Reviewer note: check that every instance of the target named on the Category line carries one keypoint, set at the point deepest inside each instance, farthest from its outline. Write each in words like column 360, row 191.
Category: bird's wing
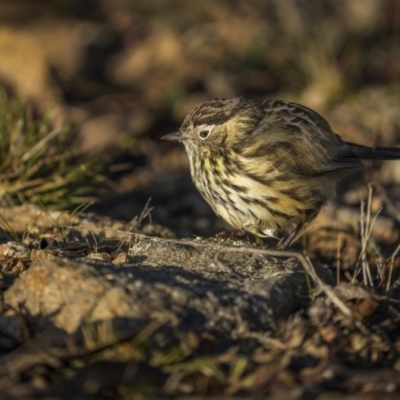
column 299, row 140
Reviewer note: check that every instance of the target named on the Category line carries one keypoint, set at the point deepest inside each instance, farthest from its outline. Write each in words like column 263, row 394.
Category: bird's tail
column 377, row 153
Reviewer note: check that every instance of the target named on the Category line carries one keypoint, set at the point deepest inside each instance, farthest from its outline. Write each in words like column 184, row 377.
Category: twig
column 96, row 247
column 391, row 208
column 366, row 226
column 338, row 255
column 136, row 221
column 391, row 267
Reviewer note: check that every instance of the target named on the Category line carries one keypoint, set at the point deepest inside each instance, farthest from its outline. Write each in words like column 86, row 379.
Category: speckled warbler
column 267, row 165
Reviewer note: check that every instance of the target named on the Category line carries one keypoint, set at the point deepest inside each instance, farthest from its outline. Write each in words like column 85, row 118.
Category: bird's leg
column 288, row 241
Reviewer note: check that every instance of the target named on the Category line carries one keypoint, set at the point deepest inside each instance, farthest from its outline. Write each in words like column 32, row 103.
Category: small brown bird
column 267, row 165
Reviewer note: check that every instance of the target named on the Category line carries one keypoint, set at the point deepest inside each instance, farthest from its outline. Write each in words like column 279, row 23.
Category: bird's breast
column 255, row 196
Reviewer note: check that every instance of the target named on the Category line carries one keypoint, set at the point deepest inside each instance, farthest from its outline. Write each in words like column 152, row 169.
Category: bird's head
column 217, row 123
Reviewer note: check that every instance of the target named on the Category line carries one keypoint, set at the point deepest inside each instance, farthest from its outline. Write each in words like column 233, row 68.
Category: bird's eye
column 204, row 134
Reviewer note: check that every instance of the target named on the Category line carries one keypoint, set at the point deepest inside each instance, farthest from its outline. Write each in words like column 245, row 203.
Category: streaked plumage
column 267, row 165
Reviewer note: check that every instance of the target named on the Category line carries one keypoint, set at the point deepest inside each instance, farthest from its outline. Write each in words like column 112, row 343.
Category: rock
column 194, row 286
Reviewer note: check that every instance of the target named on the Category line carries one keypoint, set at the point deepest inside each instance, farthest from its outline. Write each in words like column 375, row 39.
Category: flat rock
column 193, row 286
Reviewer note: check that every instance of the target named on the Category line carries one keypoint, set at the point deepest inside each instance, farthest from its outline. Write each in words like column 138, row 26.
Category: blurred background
column 122, row 73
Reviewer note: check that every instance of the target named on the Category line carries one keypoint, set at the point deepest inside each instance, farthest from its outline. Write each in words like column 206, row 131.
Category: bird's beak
column 176, row 136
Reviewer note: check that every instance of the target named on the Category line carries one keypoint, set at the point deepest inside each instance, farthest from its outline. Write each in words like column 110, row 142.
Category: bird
column 268, row 166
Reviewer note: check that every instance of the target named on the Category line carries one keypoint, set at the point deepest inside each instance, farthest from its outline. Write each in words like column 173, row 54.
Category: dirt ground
column 146, row 293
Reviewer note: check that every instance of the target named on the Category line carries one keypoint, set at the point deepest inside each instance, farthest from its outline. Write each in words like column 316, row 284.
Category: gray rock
column 192, row 286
